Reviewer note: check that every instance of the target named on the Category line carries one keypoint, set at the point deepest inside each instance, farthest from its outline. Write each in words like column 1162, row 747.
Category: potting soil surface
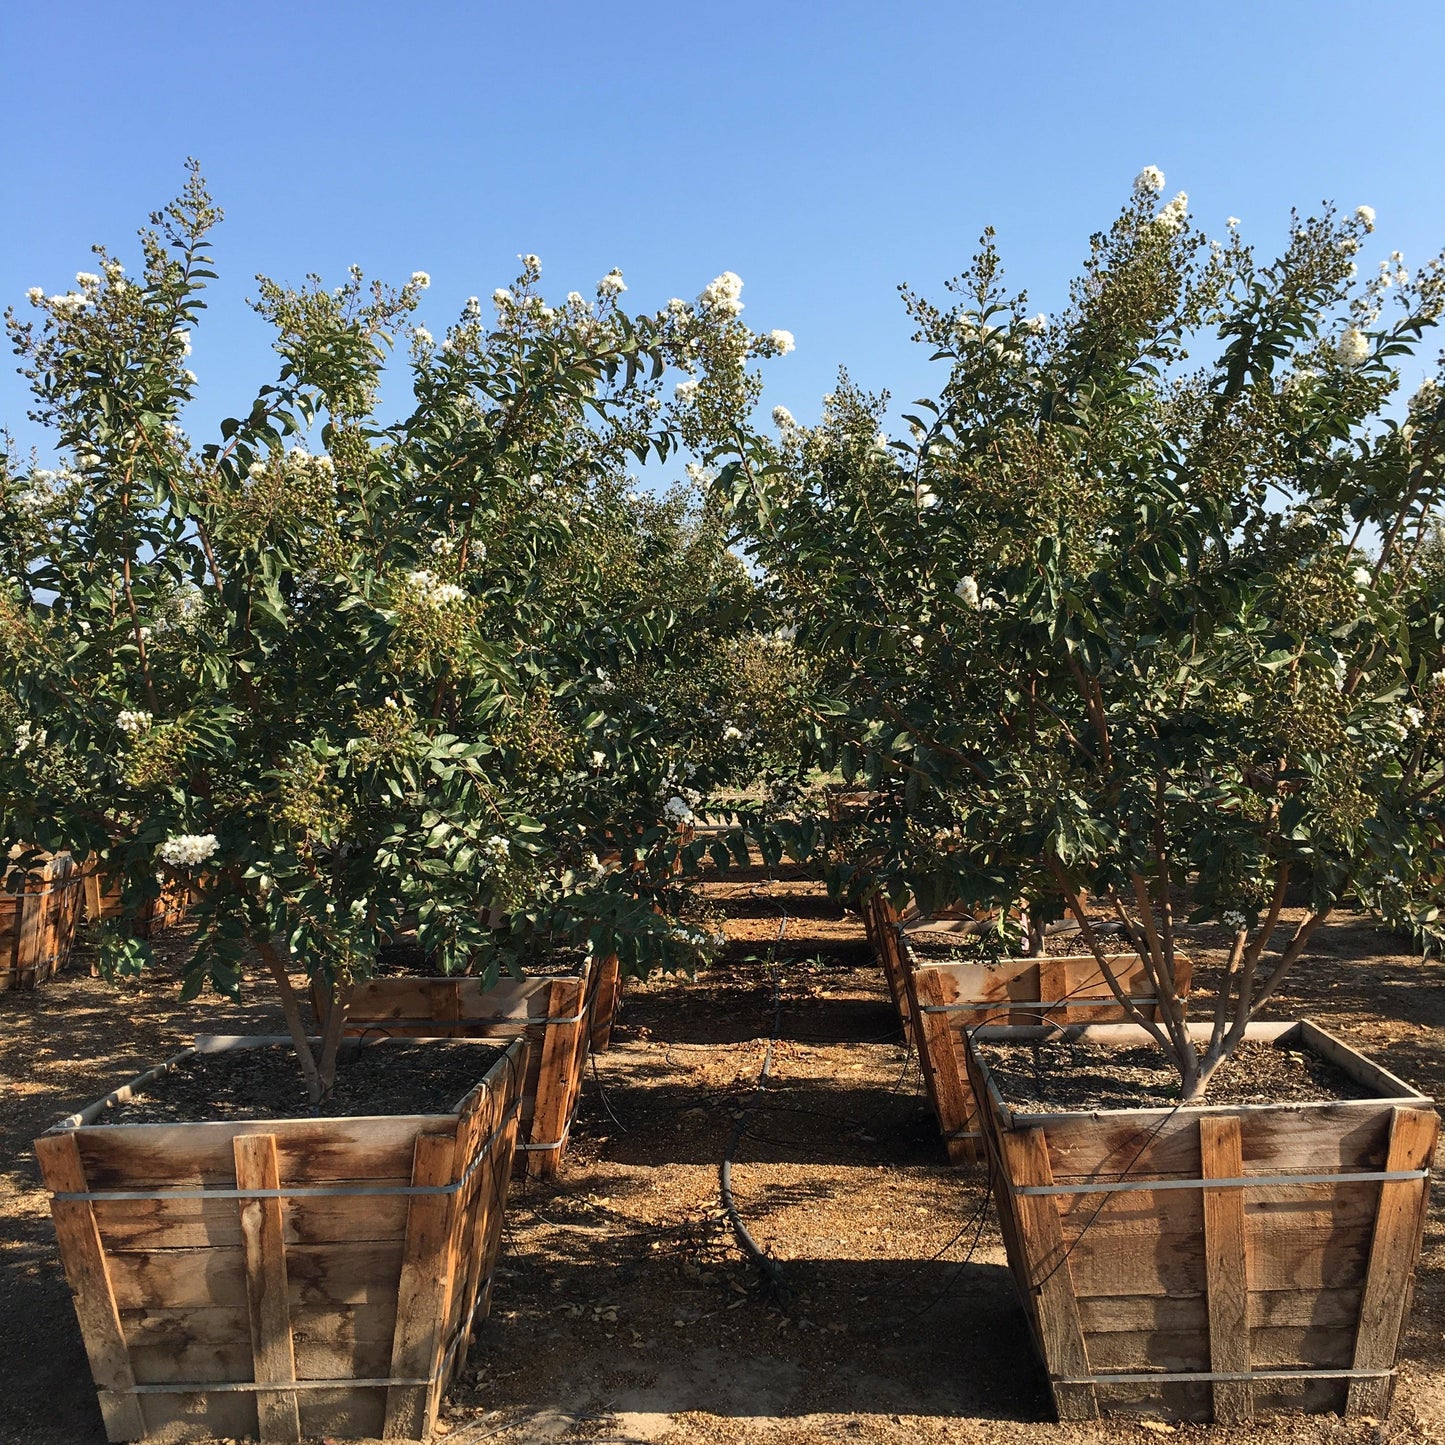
column 392, row 1077
column 624, row 1310
column 1063, row 1074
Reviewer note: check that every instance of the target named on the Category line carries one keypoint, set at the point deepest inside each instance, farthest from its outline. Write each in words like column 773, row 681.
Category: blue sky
column 824, row 152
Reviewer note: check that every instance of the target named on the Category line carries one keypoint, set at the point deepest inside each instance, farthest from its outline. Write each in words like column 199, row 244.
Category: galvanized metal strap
column 305, row 1191
column 1248, row 1181
column 373, row 1026
column 1150, row 1377
column 1003, row 1005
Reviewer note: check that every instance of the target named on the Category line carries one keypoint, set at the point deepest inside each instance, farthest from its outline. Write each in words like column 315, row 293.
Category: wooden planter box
column 1214, row 1262
column 607, row 1003
column 103, row 902
column 281, row 1277
column 946, row 1000
column 557, row 1013
column 37, row 926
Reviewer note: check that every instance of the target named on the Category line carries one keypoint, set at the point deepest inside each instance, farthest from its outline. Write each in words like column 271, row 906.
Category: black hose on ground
column 768, row 1267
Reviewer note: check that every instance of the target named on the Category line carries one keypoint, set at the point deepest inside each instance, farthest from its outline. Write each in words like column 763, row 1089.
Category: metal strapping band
column 1249, row 1181
column 1185, row 1376
column 1003, row 1005
column 198, row 1387
column 965, row 1134
column 378, row 1025
column 306, row 1191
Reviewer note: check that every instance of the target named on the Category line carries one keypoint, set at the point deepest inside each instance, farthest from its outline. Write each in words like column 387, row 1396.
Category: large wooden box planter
column 556, row 1012
column 103, row 902
column 281, row 1277
column 37, row 925
column 947, row 1000
column 1214, row 1262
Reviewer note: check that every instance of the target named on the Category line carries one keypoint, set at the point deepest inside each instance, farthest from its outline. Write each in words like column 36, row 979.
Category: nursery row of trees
column 1145, row 605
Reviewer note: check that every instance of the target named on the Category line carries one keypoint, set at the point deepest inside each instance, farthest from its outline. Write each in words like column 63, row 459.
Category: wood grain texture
column 263, row 1248
column 1394, row 1249
column 1226, row 1267
column 90, row 1287
column 1061, row 1335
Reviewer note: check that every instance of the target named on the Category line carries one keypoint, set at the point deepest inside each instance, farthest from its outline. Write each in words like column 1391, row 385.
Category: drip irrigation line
column 769, row 1267
column 602, row 1094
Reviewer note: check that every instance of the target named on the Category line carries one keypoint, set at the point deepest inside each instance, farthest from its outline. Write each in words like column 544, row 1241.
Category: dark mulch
column 395, row 1077
column 1063, row 1074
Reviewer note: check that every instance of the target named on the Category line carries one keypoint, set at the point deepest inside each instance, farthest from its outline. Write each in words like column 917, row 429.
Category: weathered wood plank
column 1226, row 1267
column 90, row 1287
column 267, row 1290
column 1026, row 1161
column 1393, row 1251
column 606, row 1002
column 417, row 1344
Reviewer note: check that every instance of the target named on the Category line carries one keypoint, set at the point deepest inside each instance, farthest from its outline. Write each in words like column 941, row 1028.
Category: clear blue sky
column 825, row 152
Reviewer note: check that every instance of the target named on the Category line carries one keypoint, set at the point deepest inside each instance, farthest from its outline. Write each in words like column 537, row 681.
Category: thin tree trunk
column 294, row 1021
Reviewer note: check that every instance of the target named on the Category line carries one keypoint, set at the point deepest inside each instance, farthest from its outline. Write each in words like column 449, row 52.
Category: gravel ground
column 624, row 1311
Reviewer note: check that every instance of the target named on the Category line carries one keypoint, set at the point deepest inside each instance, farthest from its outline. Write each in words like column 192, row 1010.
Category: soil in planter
column 266, row 1083
column 1060, row 1075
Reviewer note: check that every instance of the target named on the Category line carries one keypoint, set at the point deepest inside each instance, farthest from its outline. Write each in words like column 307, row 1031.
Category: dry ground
column 624, row 1311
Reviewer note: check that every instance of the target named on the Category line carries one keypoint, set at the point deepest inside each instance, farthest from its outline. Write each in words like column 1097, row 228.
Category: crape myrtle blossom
column 1173, row 216
column 1234, row 919
column 186, row 850
column 1354, row 348
column 782, row 340
column 612, row 283
column 1366, row 215
column 678, row 813
column 967, row 591
column 723, row 294
column 133, row 723
column 432, row 591
column 1151, row 178
column 420, row 278
column 783, row 418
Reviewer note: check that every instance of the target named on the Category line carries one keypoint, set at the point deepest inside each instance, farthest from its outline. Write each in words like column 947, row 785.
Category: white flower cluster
column 1174, row 214
column 685, row 391
column 1353, row 348
column 723, row 294
column 700, row 475
column 783, row 418
column 967, row 592
column 432, row 591
column 1151, row 178
column 925, row 496
column 732, row 734
column 612, row 283
column 497, row 850
column 1234, row 919
column 421, row 279
column 1413, row 716
column 1427, row 398
column 782, row 340
column 678, row 813
column 422, row 336
column 186, row 850
column 133, row 723
column 1366, row 215
column 1037, row 324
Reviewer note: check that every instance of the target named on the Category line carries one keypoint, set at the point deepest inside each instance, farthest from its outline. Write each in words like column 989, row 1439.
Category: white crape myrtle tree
column 343, row 676
column 1147, row 608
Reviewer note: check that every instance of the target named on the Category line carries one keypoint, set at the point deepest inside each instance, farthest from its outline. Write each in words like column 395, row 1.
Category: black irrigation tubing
column 769, row 1267
column 602, row 1094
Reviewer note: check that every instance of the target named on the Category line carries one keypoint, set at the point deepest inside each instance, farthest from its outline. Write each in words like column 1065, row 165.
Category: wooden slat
column 416, row 1346
column 1393, row 1251
column 1349, row 1136
column 90, row 1286
column 557, row 1079
column 267, row 1290
column 605, row 1005
column 1026, row 1162
column 1226, row 1266
column 944, row 1070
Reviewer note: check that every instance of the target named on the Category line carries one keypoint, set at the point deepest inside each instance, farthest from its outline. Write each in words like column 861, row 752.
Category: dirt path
column 624, row 1311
